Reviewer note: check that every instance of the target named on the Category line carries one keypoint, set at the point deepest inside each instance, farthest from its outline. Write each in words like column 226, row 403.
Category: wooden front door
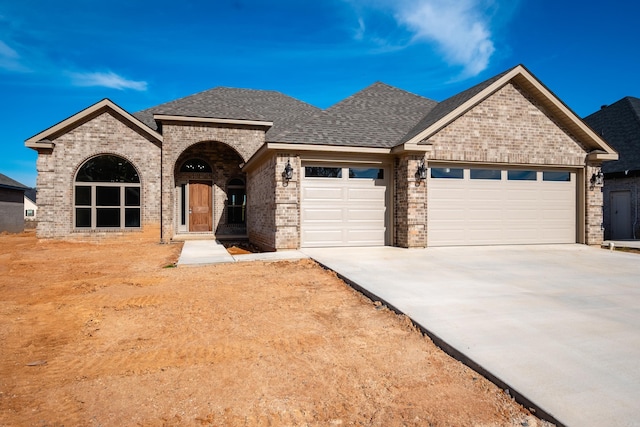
column 200, row 206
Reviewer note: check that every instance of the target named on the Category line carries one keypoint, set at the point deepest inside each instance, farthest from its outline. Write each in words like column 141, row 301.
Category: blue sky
column 57, row 58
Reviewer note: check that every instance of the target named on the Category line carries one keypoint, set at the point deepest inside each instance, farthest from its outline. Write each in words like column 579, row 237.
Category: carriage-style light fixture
column 421, row 173
column 287, row 174
column 597, row 179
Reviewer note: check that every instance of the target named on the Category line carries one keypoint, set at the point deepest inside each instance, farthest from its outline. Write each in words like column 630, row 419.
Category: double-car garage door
column 347, row 206
column 476, row 206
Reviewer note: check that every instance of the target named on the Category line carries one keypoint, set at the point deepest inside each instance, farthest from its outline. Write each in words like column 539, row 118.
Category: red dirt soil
column 100, row 333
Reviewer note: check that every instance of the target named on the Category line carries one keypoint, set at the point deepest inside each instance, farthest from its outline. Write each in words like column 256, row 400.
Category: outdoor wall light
column 287, row 174
column 421, row 173
column 597, row 179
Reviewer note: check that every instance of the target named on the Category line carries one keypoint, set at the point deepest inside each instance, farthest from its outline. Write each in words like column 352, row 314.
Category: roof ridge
column 632, row 107
column 377, row 83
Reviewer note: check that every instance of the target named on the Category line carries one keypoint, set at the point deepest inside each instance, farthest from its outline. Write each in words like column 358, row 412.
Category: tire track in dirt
column 132, row 361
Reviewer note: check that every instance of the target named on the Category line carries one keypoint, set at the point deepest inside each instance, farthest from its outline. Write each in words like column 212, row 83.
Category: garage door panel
column 480, row 212
column 523, row 194
column 365, row 194
column 320, row 215
column 323, row 193
column 365, row 215
column 320, row 238
column 443, row 216
column 486, row 196
column 343, row 212
column 367, row 236
column 448, row 193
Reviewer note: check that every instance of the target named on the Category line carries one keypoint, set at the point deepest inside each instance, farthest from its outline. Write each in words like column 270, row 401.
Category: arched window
column 195, row 165
column 236, row 202
column 107, row 194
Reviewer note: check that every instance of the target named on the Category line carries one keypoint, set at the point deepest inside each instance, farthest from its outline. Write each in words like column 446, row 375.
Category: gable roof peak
column 452, row 108
column 41, row 140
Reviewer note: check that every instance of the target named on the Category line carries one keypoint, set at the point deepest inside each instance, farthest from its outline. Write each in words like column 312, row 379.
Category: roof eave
column 13, row 187
column 598, row 156
column 284, row 146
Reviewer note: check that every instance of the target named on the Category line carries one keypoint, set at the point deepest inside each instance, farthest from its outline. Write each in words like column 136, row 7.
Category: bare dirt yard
column 107, row 334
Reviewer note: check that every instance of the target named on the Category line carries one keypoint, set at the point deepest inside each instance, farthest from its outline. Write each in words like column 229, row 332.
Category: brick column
column 168, row 159
column 287, row 212
column 594, row 234
column 410, row 204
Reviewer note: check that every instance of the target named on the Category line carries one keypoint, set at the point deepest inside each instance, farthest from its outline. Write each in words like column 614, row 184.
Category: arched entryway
column 208, row 185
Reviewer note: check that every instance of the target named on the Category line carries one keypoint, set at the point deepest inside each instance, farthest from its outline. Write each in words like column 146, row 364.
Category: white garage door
column 343, row 206
column 494, row 207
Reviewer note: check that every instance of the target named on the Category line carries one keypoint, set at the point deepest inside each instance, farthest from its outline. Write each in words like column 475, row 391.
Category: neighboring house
column 619, row 125
column 11, row 205
column 504, row 162
column 30, row 206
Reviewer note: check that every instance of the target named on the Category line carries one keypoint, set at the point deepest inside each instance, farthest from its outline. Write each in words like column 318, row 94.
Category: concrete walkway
column 204, row 252
column 558, row 325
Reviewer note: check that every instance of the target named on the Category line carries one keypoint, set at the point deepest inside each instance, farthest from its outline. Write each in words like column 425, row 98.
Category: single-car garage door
column 492, row 206
column 343, row 206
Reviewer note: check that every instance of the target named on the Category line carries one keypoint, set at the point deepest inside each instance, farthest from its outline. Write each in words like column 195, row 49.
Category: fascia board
column 604, row 157
column 280, row 146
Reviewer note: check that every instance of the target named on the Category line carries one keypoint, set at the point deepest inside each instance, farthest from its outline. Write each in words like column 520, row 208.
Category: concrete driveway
column 559, row 325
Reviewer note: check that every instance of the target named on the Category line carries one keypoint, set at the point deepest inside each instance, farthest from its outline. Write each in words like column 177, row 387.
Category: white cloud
column 359, row 34
column 10, row 59
column 108, row 79
column 459, row 28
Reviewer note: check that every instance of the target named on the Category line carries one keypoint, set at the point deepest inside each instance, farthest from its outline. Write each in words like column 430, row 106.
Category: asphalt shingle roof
column 619, row 125
column 377, row 116
column 30, row 194
column 235, row 104
column 7, row 182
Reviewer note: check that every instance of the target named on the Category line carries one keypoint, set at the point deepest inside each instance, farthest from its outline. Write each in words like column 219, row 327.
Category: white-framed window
column 107, row 194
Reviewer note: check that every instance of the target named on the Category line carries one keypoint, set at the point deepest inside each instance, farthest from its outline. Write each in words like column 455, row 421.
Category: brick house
column 11, row 205
column 619, row 125
column 504, row 162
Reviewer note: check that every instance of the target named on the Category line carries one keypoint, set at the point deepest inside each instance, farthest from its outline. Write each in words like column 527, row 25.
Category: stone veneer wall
column 178, row 137
column 273, row 208
column 410, row 207
column 622, row 183
column 105, row 133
